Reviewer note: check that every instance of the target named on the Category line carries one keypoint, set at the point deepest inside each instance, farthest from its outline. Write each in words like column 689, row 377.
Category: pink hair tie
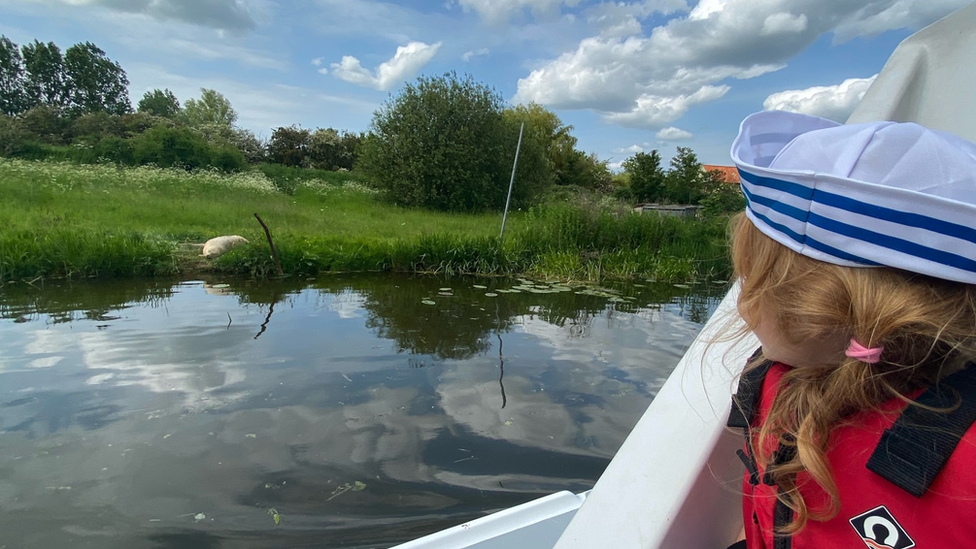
column 870, row 355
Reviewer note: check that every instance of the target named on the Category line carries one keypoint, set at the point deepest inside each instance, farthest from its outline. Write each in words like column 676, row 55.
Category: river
column 344, row 411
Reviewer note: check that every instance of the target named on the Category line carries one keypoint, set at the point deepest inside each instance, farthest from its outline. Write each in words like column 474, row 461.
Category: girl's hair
column 926, row 325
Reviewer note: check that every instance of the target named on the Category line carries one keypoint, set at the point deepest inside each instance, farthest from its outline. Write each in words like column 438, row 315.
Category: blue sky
column 629, row 76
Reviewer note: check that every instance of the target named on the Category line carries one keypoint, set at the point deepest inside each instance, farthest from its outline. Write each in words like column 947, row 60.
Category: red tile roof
column 729, row 173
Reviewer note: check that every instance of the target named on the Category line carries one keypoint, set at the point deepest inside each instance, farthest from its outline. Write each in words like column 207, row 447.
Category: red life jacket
column 905, row 475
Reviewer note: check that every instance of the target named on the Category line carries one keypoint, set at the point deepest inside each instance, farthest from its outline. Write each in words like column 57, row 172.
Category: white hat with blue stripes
column 862, row 195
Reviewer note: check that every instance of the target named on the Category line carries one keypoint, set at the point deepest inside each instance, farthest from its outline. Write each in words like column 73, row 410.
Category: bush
column 94, row 125
column 13, row 136
column 181, row 147
column 444, row 144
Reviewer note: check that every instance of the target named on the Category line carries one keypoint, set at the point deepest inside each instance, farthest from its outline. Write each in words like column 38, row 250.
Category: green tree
column 44, row 78
column 684, row 183
column 12, row 100
column 45, row 124
column 94, row 82
column 558, row 141
column 443, row 143
column 646, row 176
column 720, row 197
column 289, row 146
column 211, row 108
column 160, row 103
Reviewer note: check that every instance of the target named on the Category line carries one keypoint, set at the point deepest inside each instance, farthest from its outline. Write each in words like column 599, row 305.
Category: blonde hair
column 926, row 325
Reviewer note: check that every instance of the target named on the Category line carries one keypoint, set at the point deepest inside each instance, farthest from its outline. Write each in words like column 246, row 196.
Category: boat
column 675, row 481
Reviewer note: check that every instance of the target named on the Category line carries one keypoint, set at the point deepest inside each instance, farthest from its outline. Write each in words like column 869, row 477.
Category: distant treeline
column 445, row 143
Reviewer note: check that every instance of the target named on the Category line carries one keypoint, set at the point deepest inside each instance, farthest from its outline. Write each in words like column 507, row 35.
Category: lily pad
column 491, row 294
column 480, row 287
column 429, row 302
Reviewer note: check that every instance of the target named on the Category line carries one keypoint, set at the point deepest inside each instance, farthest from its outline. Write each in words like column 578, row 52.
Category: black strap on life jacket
column 912, row 452
column 746, row 400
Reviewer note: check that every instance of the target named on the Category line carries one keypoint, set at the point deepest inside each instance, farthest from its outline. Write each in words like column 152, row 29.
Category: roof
column 729, row 173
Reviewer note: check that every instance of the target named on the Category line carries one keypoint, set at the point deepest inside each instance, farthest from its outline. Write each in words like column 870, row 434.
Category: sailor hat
column 880, row 194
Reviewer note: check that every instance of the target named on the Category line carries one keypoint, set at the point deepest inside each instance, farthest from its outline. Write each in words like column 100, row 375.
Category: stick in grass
column 274, row 252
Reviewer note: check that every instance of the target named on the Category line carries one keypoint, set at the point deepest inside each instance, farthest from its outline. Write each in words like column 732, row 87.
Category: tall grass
column 97, row 220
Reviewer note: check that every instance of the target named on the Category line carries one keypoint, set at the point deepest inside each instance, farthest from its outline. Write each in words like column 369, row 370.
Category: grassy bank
column 97, row 220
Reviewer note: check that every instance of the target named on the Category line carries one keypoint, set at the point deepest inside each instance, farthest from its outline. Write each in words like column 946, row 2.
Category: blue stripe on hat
column 919, row 221
column 843, row 229
column 806, row 240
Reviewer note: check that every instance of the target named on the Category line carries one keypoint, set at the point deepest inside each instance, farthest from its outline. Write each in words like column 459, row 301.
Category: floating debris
column 199, row 516
column 252, row 435
column 357, row 486
column 274, row 515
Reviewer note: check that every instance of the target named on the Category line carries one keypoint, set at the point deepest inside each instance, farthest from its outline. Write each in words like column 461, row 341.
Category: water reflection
column 176, row 415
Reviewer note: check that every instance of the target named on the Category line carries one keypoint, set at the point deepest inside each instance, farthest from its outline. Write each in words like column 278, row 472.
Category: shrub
column 181, row 147
column 444, row 144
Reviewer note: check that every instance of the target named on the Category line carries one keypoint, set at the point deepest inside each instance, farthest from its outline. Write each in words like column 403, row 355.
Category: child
column 857, row 262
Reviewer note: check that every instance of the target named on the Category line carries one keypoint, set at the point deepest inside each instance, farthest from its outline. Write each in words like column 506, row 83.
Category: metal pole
column 511, row 182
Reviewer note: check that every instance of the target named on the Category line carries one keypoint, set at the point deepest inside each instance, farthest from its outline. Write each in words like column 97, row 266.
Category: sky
column 629, row 76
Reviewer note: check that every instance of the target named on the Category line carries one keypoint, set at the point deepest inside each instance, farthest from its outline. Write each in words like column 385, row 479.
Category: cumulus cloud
column 405, row 64
column 232, row 15
column 618, row 19
column 833, row 102
column 655, row 111
column 673, row 134
column 651, row 79
column 500, row 11
column 318, row 61
column 468, row 55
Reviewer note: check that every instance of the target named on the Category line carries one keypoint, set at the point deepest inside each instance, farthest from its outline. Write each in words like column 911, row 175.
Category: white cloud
column 468, row 55
column 673, row 134
column 323, row 70
column 655, row 111
column 500, row 11
column 784, row 23
column 405, row 64
column 633, row 149
column 649, row 80
column 618, row 19
column 318, row 61
column 878, row 17
column 834, row 102
column 232, row 15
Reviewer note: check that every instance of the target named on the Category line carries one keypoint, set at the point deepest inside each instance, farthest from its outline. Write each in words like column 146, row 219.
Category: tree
column 160, row 103
column 685, row 180
column 289, row 146
column 443, row 143
column 720, row 197
column 211, row 108
column 12, row 100
column 44, row 80
column 94, row 82
column 646, row 176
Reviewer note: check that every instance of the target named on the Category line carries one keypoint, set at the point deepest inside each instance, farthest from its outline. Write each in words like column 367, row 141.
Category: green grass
column 64, row 220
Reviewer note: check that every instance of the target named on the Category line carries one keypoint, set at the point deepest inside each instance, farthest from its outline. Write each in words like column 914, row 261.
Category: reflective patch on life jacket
column 879, row 530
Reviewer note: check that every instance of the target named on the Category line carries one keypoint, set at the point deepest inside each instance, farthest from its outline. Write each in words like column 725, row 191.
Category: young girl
column 857, row 262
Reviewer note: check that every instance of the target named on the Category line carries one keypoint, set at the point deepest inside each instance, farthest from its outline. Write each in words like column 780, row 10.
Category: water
column 351, row 411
